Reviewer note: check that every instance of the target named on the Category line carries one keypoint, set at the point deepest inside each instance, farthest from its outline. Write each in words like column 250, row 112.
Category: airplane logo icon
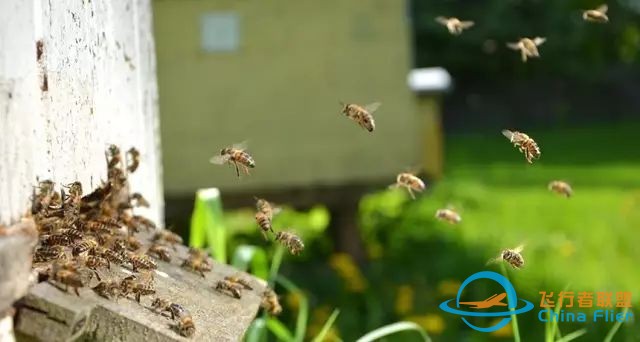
column 495, row 300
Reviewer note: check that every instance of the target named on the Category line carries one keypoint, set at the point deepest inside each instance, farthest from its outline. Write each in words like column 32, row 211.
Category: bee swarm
column 98, row 268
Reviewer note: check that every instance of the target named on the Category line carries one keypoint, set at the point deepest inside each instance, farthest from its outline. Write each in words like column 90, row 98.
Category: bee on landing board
column 598, row 15
column 528, row 47
column 362, row 115
column 291, row 241
column 448, row 215
column 270, row 302
column 511, row 257
column 236, row 156
column 454, row 25
column 109, row 289
column 230, row 288
column 410, row 182
column 235, row 279
column 524, row 144
column 561, row 187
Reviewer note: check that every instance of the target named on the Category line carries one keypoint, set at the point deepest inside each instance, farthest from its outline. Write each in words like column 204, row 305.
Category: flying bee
column 448, row 215
column 235, row 279
column 165, row 235
column 562, row 188
column 133, row 159
column 454, row 25
column 160, row 251
column 270, row 302
column 109, row 289
column 83, row 246
column 141, row 261
column 197, row 264
column 236, row 156
column 528, row 47
column 265, row 214
column 55, row 240
column 47, row 253
column 511, row 257
column 68, row 275
column 410, row 182
column 362, row 115
column 114, row 156
column 264, row 222
column 229, row 288
column 142, row 286
column 291, row 241
column 138, row 200
column 598, row 15
column 524, row 144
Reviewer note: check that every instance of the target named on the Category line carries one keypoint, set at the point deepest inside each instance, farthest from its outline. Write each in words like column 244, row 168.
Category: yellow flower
column 448, row 287
column 404, row 299
column 432, row 323
column 293, row 300
column 504, row 332
column 343, row 264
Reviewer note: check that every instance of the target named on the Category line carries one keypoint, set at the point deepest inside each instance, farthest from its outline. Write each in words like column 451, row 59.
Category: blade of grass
column 392, row 329
column 303, row 310
column 327, row 325
column 514, row 318
column 207, row 221
column 555, row 330
column 615, row 327
column 572, row 336
column 256, row 331
column 279, row 329
column 275, row 264
column 247, row 255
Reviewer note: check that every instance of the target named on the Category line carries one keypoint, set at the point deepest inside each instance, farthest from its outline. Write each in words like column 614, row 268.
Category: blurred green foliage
column 574, row 48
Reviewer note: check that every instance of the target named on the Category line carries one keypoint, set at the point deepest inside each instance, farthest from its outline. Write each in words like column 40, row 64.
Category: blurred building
column 274, row 74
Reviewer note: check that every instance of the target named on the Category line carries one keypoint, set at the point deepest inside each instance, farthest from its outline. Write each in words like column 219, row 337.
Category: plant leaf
column 572, row 336
column 246, row 256
column 207, row 224
column 256, row 331
column 303, row 310
column 327, row 325
column 279, row 329
column 392, row 329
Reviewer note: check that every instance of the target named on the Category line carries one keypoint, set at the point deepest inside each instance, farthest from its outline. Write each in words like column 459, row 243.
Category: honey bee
column 598, row 15
column 83, row 246
column 68, row 275
column 511, row 256
column 235, row 279
column 235, row 156
column 265, row 214
column 165, row 235
column 524, row 144
column 410, row 182
column 47, row 253
column 528, row 47
column 454, row 25
column 114, row 156
column 138, row 200
column 44, row 196
column 362, row 115
column 55, row 240
column 185, row 324
column 141, row 221
column 133, row 159
column 270, row 302
column 198, row 253
column 562, row 188
column 142, row 286
column 197, row 264
column 109, row 255
column 108, row 289
column 291, row 241
column 140, row 261
column 95, row 262
column 448, row 215
column 160, row 251
column 133, row 244
column 97, row 227
column 264, row 222
column 229, row 288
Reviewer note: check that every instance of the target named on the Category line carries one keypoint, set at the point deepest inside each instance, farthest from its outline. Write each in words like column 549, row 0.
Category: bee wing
column 466, row 24
column 603, row 8
column 539, row 40
column 514, row 46
column 519, row 249
column 442, row 20
column 508, row 134
column 493, row 261
column 241, row 146
column 219, row 160
column 372, row 107
column 275, row 210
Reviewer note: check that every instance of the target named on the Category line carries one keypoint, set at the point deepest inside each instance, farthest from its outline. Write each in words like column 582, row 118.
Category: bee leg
column 411, row 193
column 138, row 297
column 97, row 275
column 237, row 171
column 201, row 273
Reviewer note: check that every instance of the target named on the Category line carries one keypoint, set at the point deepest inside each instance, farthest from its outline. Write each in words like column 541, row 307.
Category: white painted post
column 75, row 76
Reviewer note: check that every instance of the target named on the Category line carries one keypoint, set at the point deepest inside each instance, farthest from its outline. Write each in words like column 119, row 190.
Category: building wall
column 92, row 83
column 281, row 89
